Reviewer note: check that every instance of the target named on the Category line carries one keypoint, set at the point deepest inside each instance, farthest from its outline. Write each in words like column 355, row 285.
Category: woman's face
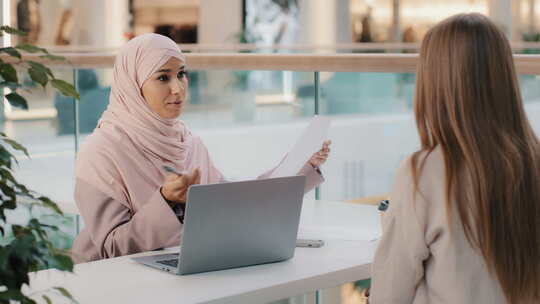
column 165, row 90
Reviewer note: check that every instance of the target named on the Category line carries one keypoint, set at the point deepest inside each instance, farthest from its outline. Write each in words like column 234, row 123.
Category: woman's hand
column 175, row 187
column 320, row 156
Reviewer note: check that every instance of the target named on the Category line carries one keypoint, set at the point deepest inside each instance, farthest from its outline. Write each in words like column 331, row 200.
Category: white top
column 346, row 228
column 419, row 259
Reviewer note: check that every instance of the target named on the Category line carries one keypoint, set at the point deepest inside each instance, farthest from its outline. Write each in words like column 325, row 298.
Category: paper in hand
column 310, row 142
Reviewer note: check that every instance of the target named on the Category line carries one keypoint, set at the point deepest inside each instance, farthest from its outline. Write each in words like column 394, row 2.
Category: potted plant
column 25, row 247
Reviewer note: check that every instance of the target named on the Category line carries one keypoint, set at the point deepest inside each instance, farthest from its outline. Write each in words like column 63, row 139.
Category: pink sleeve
column 199, row 157
column 214, row 175
column 313, row 177
column 115, row 230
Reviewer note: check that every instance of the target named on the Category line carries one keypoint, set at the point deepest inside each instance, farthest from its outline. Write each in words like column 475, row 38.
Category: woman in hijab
column 127, row 201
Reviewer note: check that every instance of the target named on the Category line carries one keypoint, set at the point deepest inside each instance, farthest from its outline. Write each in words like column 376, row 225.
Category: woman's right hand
column 175, row 187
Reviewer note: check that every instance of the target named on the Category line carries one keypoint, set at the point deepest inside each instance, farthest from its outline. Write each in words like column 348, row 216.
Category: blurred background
column 248, row 118
column 238, row 102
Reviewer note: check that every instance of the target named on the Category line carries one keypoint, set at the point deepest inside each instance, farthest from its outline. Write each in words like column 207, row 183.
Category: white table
column 347, row 229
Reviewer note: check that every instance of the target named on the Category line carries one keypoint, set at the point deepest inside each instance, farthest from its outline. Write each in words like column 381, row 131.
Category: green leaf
column 35, row 225
column 10, row 203
column 17, row 100
column 19, row 230
column 17, row 146
column 23, row 191
column 47, row 299
column 13, row 31
column 24, row 251
column 31, row 48
column 53, row 57
column 6, row 157
column 8, row 72
column 65, row 293
column 47, row 202
column 11, row 52
column 41, row 67
column 65, row 88
column 11, row 294
column 38, row 76
column 50, row 227
column 7, row 176
column 64, row 262
column 11, row 85
column 8, row 191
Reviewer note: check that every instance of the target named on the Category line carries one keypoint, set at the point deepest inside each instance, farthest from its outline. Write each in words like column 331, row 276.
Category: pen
column 172, row 170
column 383, row 205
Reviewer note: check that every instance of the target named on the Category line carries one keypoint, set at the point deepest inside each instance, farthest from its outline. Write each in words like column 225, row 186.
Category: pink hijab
column 129, row 111
column 125, row 155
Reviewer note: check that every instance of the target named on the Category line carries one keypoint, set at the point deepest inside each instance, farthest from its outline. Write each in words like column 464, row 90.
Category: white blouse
column 418, row 259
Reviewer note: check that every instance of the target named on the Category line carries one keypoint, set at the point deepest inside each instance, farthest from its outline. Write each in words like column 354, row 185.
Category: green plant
column 25, row 247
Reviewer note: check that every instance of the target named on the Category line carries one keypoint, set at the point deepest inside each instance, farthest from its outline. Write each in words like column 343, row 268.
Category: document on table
column 310, row 142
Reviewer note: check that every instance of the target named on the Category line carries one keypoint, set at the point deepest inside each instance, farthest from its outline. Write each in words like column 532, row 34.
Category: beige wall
column 50, row 20
column 324, row 22
column 343, row 22
column 100, row 23
column 97, row 23
column 219, row 21
column 506, row 13
column 317, row 21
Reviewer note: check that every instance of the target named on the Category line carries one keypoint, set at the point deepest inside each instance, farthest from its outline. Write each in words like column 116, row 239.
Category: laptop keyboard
column 172, row 263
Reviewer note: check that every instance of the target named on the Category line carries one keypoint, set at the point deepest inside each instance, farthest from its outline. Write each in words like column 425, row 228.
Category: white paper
column 310, row 142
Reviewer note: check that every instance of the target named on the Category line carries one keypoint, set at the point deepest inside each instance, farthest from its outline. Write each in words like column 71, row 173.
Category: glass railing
column 249, row 119
column 523, row 47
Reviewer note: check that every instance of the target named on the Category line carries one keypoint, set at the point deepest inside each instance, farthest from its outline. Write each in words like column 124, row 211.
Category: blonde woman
column 464, row 222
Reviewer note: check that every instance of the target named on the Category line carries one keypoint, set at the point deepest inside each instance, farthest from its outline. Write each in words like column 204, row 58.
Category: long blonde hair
column 468, row 103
